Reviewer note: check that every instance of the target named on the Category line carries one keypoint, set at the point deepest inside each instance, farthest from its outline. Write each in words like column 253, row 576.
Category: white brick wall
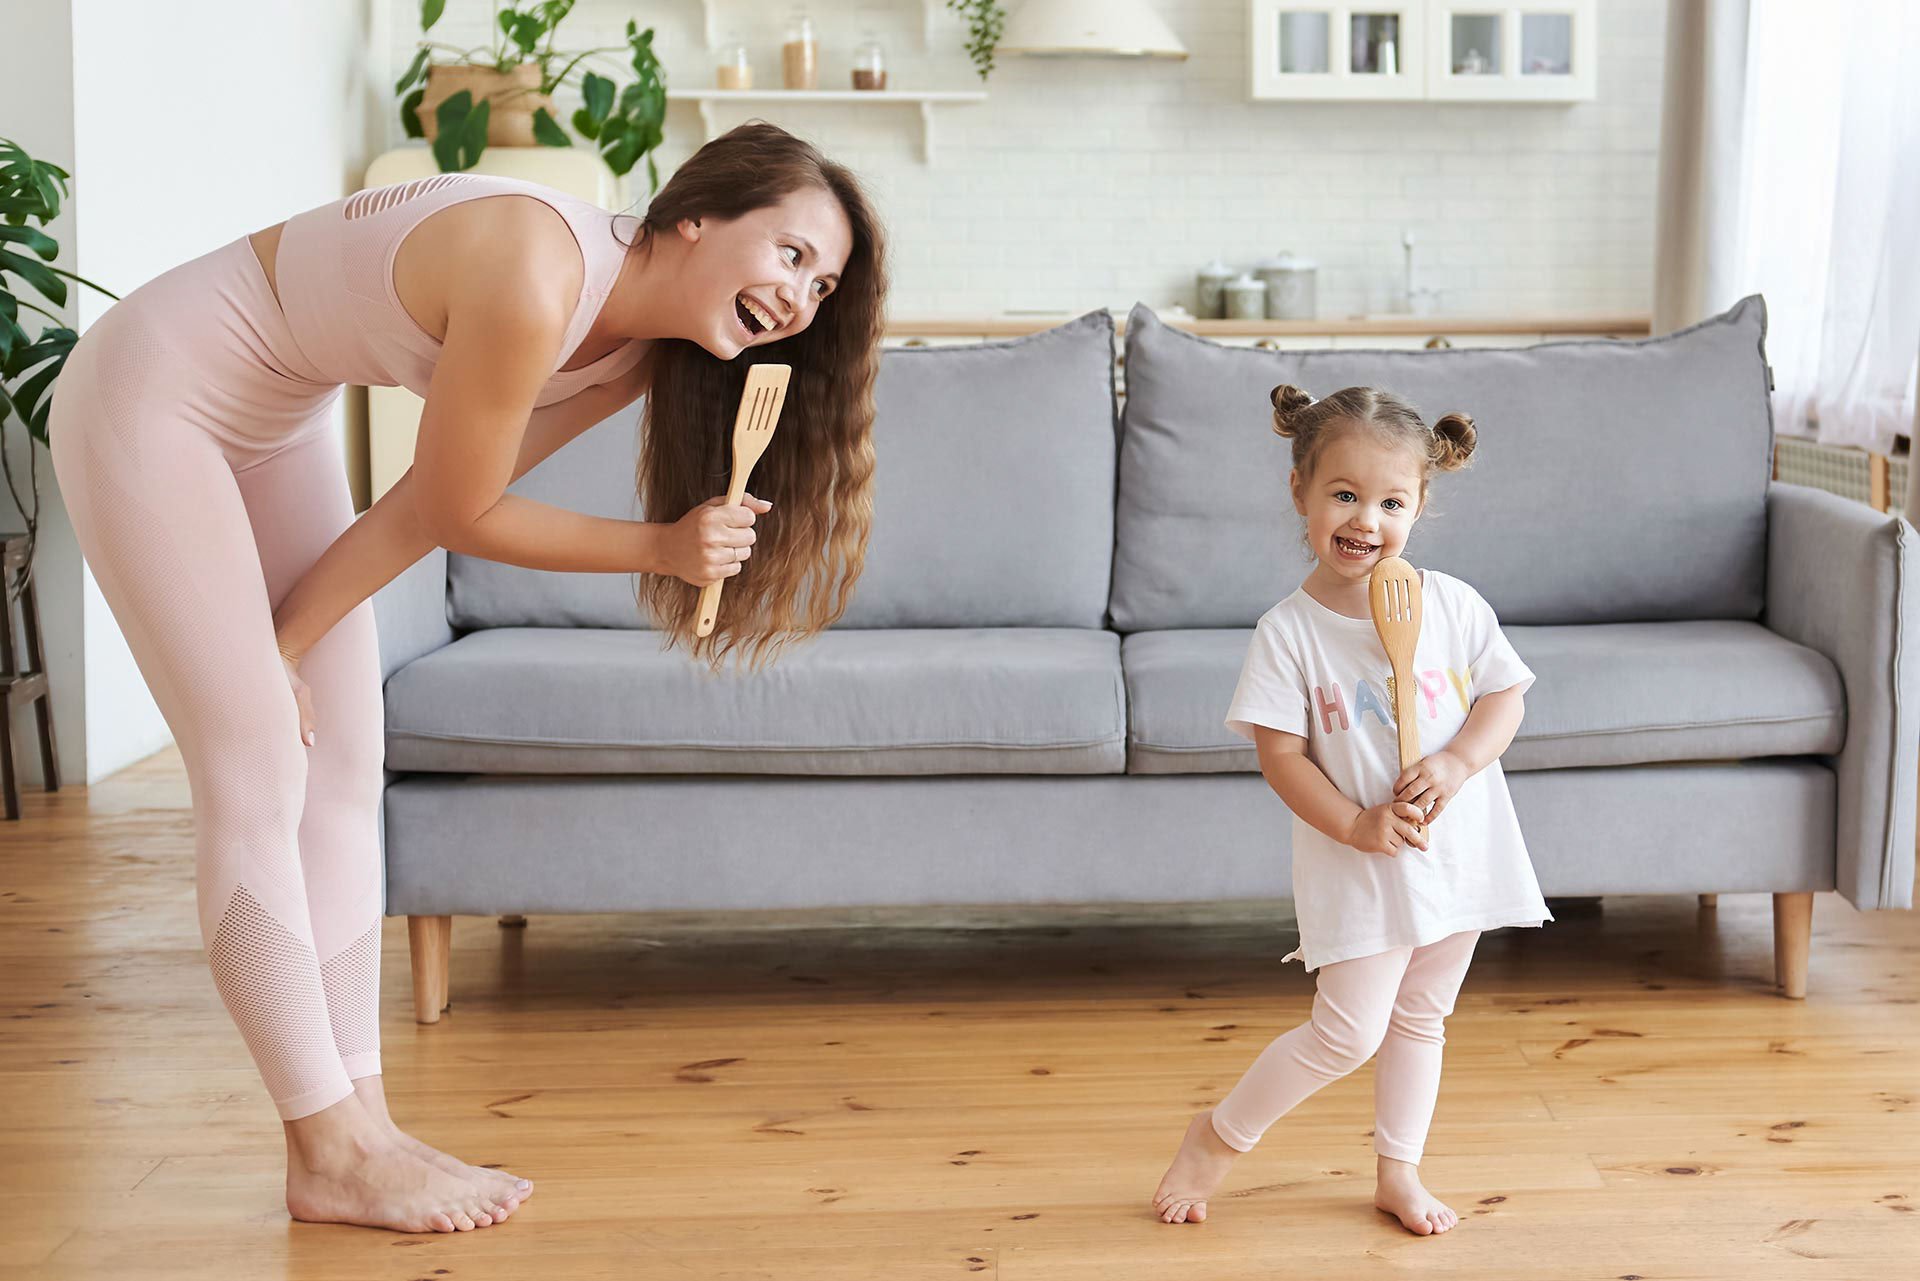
column 1089, row 183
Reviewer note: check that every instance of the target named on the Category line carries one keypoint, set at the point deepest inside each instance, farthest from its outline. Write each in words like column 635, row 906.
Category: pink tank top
column 335, row 274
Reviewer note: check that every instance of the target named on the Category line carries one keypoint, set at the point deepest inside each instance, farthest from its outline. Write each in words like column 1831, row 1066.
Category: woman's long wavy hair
column 818, row 469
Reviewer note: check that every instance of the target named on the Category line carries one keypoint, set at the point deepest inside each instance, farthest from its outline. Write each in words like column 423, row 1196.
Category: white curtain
column 1695, row 270
column 1825, row 214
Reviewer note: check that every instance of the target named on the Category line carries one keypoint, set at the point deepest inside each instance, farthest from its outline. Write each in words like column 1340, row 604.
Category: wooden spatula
column 1393, row 597
column 760, row 402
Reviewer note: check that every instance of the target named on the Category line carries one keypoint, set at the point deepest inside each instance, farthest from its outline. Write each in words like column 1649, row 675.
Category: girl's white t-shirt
column 1324, row 676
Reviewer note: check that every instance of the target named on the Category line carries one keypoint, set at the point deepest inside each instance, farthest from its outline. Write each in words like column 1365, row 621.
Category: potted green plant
column 30, row 190
column 460, row 100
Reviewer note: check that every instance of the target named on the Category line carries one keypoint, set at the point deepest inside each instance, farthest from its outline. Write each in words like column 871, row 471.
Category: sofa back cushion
column 1613, row 481
column 593, row 473
column 992, row 496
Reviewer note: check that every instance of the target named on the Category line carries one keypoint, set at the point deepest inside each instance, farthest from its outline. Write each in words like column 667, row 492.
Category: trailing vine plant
column 986, row 21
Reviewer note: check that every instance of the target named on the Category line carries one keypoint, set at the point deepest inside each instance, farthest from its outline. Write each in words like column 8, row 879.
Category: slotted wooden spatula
column 760, row 402
column 1393, row 597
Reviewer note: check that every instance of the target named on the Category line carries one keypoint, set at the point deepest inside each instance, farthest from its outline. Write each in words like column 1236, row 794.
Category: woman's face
column 759, row 278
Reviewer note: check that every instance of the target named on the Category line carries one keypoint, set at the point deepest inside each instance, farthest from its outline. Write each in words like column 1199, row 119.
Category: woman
column 191, row 439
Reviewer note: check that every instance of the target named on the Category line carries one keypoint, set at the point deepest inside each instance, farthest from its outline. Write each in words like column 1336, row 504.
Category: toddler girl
column 1395, row 872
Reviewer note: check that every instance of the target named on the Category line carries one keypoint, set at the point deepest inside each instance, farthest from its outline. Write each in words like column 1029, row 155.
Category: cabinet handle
column 1438, row 341
column 1268, row 344
column 914, row 342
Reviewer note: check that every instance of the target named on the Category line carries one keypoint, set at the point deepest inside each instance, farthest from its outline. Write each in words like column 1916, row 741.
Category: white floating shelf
column 706, row 98
column 710, row 19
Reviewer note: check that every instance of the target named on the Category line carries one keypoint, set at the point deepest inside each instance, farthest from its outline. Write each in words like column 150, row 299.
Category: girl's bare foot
column 1202, row 1161
column 506, row 1190
column 1399, row 1192
column 343, row 1168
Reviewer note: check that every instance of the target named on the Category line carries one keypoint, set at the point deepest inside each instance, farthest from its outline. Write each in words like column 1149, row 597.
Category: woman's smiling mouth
column 753, row 318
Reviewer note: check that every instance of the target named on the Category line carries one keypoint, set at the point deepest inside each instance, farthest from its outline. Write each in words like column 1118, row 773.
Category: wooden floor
column 902, row 1095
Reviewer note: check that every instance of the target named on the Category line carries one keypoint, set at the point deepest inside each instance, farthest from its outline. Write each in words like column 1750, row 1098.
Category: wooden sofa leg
column 430, row 939
column 1709, row 902
column 1792, row 930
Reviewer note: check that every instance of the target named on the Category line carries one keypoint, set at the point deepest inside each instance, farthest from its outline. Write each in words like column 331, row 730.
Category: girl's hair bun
column 1455, row 437
column 1288, row 403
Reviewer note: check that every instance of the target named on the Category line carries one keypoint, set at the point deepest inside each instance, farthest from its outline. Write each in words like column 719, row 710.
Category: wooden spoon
column 760, row 402
column 1393, row 597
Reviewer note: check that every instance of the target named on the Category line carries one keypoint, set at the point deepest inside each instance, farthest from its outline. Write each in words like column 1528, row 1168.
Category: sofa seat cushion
column 1605, row 694
column 596, row 701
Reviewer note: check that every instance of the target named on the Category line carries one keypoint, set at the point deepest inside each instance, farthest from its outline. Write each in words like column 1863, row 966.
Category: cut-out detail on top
column 378, row 200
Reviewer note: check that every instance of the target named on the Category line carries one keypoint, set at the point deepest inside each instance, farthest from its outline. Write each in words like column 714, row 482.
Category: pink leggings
column 194, row 450
column 1395, row 1002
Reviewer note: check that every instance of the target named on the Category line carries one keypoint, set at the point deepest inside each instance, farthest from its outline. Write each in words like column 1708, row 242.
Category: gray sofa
column 1024, row 702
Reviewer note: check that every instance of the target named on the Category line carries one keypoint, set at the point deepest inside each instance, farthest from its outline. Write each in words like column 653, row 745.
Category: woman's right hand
column 712, row 541
column 1385, row 828
column 302, row 698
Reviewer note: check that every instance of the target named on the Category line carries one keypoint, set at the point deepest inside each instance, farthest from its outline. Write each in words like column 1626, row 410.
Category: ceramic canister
column 1290, row 287
column 1246, row 298
column 1210, row 285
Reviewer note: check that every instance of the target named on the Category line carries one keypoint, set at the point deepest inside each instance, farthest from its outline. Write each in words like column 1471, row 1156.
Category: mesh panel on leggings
column 352, row 980
column 266, row 977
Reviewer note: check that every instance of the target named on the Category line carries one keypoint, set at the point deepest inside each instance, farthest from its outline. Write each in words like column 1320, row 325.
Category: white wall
column 183, row 127
column 1082, row 183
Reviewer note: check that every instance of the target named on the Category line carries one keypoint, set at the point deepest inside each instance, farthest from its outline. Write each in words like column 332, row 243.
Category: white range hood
column 1090, row 28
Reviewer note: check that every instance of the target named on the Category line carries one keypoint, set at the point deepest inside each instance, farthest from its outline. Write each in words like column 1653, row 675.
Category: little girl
column 1395, row 872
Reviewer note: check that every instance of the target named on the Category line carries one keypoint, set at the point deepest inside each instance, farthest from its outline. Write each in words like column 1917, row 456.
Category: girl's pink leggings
column 1396, row 1003
column 195, row 453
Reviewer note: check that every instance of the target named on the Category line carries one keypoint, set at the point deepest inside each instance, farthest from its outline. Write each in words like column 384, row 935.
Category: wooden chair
column 22, row 684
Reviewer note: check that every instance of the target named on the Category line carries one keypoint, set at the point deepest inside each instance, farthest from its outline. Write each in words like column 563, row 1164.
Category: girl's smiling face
column 1360, row 503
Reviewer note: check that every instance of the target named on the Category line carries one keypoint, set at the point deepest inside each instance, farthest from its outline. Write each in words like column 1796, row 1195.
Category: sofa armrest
column 1845, row 580
column 411, row 613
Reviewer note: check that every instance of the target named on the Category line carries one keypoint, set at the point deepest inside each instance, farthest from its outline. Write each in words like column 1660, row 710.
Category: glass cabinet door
column 1474, row 47
column 1308, row 49
column 1546, row 44
column 1306, row 42
column 1540, row 52
column 1373, row 43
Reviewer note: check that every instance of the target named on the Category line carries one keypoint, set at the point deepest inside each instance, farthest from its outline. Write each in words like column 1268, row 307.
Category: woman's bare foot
column 1202, row 1161
column 342, row 1167
column 506, row 1190
column 1399, row 1192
